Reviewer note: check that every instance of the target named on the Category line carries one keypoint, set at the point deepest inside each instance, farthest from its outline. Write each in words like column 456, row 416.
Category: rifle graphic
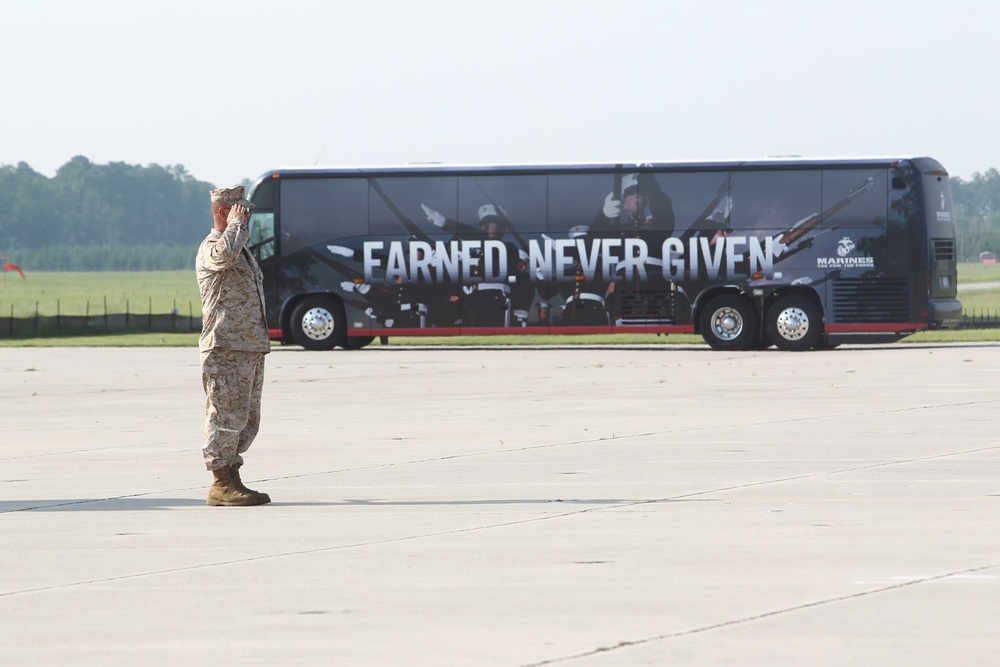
column 801, row 245
column 616, row 184
column 701, row 223
column 351, row 274
column 409, row 224
column 795, row 235
column 807, row 224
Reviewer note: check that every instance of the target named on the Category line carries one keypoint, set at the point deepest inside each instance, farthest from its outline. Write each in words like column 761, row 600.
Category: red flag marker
column 14, row 267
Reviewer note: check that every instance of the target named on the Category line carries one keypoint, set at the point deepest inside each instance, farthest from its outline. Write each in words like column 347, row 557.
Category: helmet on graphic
column 488, row 213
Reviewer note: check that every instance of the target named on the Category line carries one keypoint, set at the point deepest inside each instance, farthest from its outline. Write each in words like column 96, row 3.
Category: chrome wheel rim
column 317, row 323
column 792, row 323
column 727, row 324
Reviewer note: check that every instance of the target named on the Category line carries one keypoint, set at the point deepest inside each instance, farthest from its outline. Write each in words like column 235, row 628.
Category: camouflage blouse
column 232, row 293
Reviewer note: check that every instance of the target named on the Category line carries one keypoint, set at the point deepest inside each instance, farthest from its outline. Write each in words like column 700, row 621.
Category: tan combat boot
column 225, row 492
column 261, row 497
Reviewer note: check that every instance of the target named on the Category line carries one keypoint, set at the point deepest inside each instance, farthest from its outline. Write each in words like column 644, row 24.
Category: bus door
column 262, row 245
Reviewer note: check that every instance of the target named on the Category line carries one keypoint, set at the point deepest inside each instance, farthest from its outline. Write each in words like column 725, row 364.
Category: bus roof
column 923, row 164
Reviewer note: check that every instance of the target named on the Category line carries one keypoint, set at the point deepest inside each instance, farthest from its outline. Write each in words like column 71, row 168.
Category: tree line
column 121, row 217
column 92, row 217
column 977, row 214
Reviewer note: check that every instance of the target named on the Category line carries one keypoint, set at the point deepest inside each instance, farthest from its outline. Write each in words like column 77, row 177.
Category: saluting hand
column 433, row 215
column 237, row 212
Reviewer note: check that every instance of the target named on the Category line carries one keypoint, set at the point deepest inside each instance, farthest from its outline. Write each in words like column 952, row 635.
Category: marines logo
column 845, row 247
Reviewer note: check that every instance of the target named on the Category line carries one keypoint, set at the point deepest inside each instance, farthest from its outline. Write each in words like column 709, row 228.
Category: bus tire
column 728, row 322
column 794, row 323
column 824, row 344
column 319, row 323
column 358, row 342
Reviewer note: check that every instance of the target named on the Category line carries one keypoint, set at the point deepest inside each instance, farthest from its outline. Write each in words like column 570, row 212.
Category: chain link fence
column 979, row 319
column 42, row 324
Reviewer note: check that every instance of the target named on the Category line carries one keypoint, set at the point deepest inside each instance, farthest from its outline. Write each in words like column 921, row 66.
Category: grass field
column 85, row 293
column 978, row 273
column 160, row 291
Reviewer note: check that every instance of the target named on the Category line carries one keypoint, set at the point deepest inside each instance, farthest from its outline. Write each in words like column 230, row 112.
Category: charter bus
column 795, row 253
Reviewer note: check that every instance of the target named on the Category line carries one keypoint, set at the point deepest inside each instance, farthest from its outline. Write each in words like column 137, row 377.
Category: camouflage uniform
column 233, row 341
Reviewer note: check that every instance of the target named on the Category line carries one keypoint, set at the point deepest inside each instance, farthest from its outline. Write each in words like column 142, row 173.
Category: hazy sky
column 232, row 89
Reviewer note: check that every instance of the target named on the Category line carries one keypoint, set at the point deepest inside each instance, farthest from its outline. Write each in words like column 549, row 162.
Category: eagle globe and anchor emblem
column 845, row 247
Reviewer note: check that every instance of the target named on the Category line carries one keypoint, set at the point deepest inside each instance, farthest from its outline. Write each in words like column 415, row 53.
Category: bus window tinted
column 770, row 202
column 701, row 201
column 262, row 234
column 856, row 197
column 417, row 206
column 574, row 201
column 904, row 228
column 318, row 209
column 520, row 199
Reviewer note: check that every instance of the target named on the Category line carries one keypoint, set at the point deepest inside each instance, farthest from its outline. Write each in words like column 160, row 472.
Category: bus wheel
column 794, row 323
column 358, row 342
column 824, row 344
column 318, row 323
column 728, row 322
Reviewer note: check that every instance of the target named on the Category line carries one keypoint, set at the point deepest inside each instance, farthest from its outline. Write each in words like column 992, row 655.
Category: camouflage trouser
column 233, row 382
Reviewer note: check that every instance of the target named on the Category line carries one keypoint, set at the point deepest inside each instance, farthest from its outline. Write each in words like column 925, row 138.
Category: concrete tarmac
column 597, row 506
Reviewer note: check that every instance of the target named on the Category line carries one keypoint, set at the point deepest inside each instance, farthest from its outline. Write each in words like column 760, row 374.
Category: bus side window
column 262, row 235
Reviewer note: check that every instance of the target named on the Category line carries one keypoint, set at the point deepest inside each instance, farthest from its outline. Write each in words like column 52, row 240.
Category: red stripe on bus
column 521, row 331
column 278, row 334
column 878, row 327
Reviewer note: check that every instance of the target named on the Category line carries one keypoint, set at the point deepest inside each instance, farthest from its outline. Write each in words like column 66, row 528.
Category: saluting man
column 233, row 343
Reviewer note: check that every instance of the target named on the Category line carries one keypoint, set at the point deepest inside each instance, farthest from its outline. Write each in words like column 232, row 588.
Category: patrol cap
column 629, row 181
column 231, row 196
column 489, row 211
